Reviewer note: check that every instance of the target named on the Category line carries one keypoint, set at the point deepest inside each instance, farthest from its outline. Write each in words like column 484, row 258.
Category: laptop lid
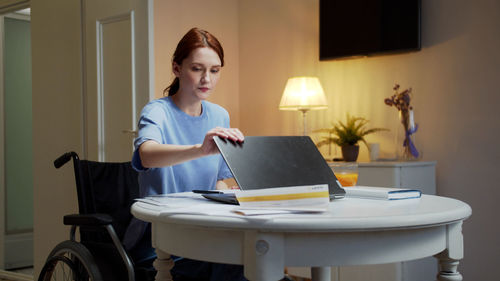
column 278, row 161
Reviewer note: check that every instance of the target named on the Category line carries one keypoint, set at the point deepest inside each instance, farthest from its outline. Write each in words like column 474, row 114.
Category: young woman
column 175, row 151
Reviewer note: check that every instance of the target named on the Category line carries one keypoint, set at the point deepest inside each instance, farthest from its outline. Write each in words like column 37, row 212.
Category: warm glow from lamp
column 303, row 94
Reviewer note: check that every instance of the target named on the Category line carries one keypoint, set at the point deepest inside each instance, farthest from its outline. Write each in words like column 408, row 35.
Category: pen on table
column 206, row 191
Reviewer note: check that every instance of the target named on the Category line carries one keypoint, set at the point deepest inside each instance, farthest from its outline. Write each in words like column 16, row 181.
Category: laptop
column 275, row 161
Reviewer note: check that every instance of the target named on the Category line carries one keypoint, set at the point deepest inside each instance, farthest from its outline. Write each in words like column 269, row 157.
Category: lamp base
column 304, row 118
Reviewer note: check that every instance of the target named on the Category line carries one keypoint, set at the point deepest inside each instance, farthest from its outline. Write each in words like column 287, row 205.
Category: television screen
column 351, row 28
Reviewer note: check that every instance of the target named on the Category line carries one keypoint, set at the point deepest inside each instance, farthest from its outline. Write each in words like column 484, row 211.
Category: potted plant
column 347, row 135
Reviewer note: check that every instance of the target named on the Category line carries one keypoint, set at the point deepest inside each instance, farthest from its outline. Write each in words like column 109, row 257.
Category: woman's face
column 199, row 73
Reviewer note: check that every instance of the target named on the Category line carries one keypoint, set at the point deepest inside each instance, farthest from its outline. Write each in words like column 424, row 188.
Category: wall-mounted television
column 353, row 28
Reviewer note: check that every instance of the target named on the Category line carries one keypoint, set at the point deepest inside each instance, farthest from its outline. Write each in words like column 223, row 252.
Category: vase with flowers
column 401, row 101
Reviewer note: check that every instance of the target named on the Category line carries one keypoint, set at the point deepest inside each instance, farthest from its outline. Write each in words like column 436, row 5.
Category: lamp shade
column 303, row 93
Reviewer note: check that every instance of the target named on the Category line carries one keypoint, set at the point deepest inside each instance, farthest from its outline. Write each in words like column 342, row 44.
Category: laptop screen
column 277, row 161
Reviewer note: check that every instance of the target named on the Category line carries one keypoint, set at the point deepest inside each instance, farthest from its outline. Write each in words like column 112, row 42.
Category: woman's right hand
column 154, row 155
column 208, row 146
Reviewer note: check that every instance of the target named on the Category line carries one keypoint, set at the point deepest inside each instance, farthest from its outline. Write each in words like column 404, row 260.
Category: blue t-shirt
column 162, row 121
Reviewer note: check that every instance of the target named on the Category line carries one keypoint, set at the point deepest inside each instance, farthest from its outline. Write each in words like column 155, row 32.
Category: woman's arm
column 154, row 154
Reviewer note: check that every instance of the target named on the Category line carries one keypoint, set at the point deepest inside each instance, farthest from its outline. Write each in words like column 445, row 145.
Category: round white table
column 352, row 232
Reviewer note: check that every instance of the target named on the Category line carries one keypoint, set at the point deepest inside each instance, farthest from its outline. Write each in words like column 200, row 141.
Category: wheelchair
column 105, row 193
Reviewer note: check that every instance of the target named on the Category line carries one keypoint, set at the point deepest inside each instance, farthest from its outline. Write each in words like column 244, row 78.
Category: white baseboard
column 8, row 275
column 18, row 250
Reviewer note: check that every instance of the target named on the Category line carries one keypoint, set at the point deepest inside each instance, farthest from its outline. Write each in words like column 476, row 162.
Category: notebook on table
column 275, row 161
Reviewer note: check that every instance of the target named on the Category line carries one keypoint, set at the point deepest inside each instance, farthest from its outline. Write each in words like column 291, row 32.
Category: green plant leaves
column 349, row 133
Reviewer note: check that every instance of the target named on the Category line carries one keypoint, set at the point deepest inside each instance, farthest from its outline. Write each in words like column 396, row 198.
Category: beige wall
column 277, row 41
column 174, row 18
column 456, row 98
column 55, row 29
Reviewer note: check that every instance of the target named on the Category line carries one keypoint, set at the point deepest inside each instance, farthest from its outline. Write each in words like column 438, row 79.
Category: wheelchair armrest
column 88, row 220
column 105, row 221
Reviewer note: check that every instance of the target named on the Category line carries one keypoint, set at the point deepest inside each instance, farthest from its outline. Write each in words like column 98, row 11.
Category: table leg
column 450, row 257
column 163, row 264
column 321, row 273
column 263, row 258
column 448, row 269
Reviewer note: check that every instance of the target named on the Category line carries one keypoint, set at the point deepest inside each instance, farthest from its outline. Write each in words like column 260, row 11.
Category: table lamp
column 303, row 94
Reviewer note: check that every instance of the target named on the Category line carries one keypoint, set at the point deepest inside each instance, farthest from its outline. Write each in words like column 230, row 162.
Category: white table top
column 347, row 214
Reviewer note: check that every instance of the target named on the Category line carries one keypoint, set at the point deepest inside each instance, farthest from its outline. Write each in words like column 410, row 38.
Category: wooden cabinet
column 415, row 174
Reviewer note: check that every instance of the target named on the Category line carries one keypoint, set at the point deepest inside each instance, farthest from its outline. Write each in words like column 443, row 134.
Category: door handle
column 132, row 132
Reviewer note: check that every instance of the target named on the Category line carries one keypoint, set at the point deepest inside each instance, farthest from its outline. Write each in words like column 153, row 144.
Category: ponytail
column 173, row 88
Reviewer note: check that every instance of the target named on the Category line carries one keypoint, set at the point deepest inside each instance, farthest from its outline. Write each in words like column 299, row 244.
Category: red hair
column 193, row 39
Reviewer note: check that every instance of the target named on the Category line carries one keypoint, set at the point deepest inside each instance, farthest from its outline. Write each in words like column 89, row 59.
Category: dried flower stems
column 401, row 100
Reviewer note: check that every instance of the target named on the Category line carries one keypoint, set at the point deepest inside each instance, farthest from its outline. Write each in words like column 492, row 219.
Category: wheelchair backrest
column 105, row 187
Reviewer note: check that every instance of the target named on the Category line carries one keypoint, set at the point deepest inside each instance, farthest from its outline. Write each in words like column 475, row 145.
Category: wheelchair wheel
column 70, row 260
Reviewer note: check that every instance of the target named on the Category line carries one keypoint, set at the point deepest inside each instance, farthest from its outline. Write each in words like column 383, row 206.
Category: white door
column 118, row 74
